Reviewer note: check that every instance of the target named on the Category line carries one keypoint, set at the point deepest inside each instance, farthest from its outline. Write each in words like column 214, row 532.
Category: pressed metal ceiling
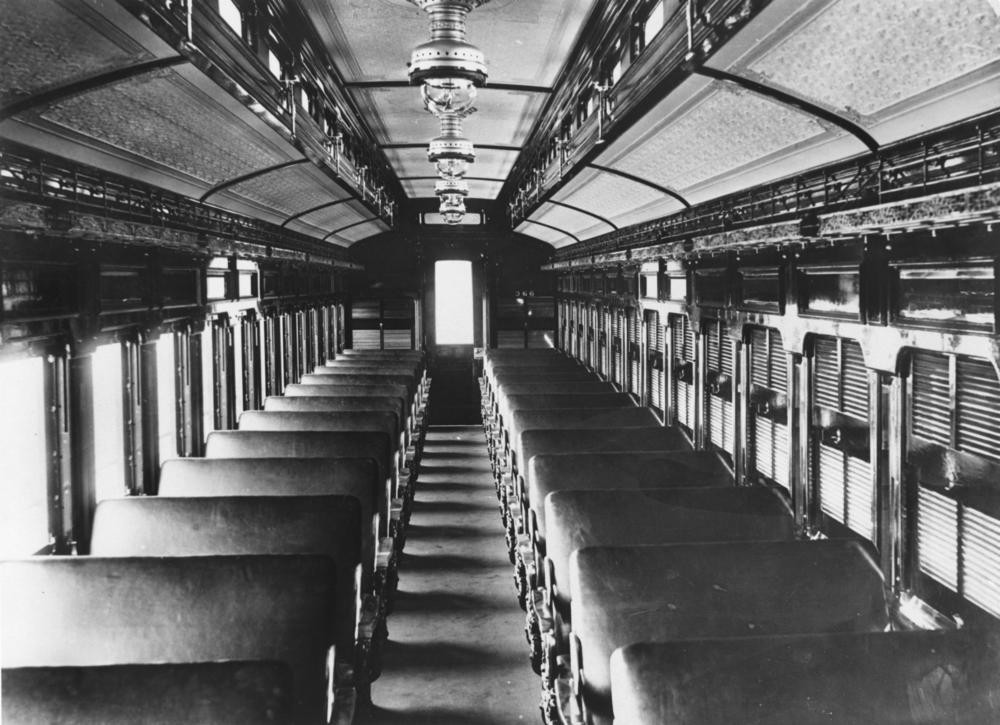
column 170, row 126
column 526, row 43
column 893, row 68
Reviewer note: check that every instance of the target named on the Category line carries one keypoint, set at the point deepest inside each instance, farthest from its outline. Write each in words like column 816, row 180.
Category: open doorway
column 455, row 400
column 453, row 305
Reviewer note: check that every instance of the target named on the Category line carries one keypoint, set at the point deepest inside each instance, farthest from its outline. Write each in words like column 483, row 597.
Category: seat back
column 561, row 401
column 357, row 478
column 369, row 421
column 610, row 419
column 311, row 444
column 336, row 390
column 632, row 470
column 88, row 610
column 234, row 525
column 649, row 439
column 576, row 519
column 627, row 594
column 350, row 377
column 351, row 403
column 884, row 677
column 227, row 693
column 300, row 444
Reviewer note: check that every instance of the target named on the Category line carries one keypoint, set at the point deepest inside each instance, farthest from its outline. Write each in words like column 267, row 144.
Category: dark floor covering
column 456, row 650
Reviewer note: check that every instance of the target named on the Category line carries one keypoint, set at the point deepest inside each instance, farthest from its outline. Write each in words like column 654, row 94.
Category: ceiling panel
column 161, row 127
column 47, row 44
column 493, row 163
column 575, row 222
column 549, row 236
column 359, row 232
column 409, row 161
column 620, row 200
column 324, row 221
column 525, row 41
column 284, row 192
column 711, row 137
column 396, row 115
column 897, row 67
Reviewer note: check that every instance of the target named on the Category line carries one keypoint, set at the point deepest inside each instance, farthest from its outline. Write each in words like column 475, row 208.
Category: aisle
column 456, row 651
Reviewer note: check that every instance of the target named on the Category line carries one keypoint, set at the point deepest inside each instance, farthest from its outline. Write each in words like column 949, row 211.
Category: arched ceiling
column 801, row 86
column 526, row 42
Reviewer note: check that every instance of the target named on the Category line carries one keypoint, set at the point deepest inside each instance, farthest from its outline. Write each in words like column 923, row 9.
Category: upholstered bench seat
column 884, row 677
column 621, row 595
column 225, row 693
column 83, row 611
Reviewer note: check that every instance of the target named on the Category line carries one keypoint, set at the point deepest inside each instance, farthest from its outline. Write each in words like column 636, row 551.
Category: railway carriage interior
column 458, row 361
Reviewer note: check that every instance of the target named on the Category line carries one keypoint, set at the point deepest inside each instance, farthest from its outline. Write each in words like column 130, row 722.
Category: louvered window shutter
column 654, row 346
column 841, row 468
column 633, row 354
column 682, row 339
column 718, row 390
column 958, row 526
column 769, row 377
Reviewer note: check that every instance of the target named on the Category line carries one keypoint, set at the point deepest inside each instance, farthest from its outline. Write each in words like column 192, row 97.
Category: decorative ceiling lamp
column 450, row 70
column 451, row 187
column 452, row 193
column 448, row 55
column 452, row 209
column 451, row 152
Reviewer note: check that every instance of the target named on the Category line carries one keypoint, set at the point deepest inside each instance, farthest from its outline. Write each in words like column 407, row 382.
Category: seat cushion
column 87, row 610
column 884, row 677
column 659, row 516
column 634, row 470
column 622, row 595
column 227, row 693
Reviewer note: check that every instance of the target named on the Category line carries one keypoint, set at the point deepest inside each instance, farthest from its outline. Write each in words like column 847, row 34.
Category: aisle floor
column 456, row 650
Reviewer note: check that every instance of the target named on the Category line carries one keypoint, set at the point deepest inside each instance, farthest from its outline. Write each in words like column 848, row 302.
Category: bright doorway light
column 453, row 302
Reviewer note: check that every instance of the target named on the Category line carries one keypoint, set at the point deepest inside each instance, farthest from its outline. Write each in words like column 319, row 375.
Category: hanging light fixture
column 451, row 187
column 448, row 54
column 448, row 95
column 449, row 70
column 452, row 209
column 451, row 152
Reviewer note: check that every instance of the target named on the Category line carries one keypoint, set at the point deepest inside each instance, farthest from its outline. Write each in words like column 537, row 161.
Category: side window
column 166, row 396
column 24, row 517
column 208, row 379
column 109, row 429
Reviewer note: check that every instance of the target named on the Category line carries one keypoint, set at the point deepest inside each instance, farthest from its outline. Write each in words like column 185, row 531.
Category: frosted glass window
column 453, row 302
column 207, row 380
column 166, row 396
column 654, row 21
column 238, row 367
column 109, row 428
column 24, row 513
column 231, row 14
